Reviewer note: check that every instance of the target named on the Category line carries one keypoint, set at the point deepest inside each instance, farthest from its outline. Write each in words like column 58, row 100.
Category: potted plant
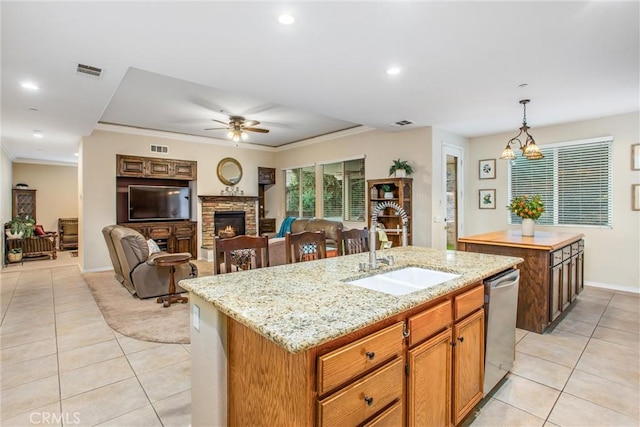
column 388, row 194
column 400, row 168
column 20, row 226
column 529, row 208
column 15, row 255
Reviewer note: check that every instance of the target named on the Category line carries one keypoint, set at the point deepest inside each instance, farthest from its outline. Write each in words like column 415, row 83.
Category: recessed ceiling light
column 392, row 71
column 38, row 134
column 75, row 154
column 29, row 86
column 286, row 19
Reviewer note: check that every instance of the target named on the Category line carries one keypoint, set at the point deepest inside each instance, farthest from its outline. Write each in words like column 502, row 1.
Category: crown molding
column 327, row 137
column 45, row 162
column 108, row 127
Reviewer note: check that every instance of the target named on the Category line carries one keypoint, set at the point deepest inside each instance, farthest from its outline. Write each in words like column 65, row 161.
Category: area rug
column 142, row 319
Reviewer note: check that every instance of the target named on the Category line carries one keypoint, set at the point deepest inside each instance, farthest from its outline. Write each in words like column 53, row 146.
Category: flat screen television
column 148, row 203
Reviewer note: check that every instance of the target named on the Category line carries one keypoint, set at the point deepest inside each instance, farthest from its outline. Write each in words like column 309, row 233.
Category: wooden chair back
column 353, row 241
column 305, row 246
column 240, row 253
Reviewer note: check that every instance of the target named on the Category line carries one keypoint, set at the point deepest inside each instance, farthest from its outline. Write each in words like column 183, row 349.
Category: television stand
column 171, row 236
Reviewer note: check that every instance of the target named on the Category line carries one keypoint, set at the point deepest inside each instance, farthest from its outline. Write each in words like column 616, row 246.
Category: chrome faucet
column 373, row 260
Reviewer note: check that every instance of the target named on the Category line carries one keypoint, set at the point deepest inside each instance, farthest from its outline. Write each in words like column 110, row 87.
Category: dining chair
column 305, row 246
column 240, row 253
column 353, row 241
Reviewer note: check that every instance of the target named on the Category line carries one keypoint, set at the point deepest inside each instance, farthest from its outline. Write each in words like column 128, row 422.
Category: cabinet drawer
column 356, row 403
column 392, row 417
column 267, row 225
column 183, row 230
column 575, row 248
column 556, row 257
column 566, row 252
column 468, row 302
column 347, row 362
column 430, row 321
column 159, row 232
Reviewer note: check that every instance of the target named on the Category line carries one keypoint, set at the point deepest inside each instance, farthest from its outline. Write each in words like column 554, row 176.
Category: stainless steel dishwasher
column 501, row 306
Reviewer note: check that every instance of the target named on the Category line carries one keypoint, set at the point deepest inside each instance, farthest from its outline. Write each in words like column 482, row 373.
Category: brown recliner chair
column 135, row 268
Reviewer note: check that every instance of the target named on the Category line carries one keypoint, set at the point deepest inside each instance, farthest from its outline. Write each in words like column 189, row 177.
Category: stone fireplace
column 212, row 205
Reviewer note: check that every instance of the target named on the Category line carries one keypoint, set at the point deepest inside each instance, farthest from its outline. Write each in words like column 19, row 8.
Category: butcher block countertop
column 300, row 306
column 542, row 240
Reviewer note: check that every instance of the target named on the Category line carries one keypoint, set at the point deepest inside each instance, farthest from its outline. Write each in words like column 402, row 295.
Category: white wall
column 6, row 171
column 380, row 149
column 611, row 254
column 98, row 176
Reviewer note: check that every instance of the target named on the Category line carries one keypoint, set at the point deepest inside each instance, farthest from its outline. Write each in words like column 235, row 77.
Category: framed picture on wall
column 487, row 169
column 635, row 157
column 487, row 199
column 635, row 197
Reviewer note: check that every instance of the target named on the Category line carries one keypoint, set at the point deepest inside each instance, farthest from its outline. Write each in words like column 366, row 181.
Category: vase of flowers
column 529, row 208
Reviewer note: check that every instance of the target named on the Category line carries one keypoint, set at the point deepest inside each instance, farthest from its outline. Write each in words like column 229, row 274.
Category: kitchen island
column 552, row 274
column 294, row 344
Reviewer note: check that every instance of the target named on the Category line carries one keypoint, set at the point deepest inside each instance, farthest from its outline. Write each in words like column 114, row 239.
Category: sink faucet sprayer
column 374, row 230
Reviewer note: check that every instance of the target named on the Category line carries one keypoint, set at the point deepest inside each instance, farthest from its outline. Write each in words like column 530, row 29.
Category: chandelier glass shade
column 530, row 149
column 236, row 133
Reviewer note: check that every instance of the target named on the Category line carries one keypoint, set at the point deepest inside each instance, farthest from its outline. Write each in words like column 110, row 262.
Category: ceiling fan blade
column 215, row 128
column 257, row 130
column 224, row 123
column 251, row 123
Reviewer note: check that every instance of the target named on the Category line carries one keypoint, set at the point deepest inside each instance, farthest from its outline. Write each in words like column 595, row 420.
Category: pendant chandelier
column 529, row 149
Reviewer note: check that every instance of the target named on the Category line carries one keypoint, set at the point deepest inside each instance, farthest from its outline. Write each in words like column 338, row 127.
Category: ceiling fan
column 238, row 126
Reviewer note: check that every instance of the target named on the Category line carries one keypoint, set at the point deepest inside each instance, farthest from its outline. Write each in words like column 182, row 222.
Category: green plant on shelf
column 21, row 225
column 400, row 164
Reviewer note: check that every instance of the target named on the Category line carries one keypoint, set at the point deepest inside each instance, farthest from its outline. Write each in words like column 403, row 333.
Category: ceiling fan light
column 244, row 136
column 230, row 134
column 236, row 138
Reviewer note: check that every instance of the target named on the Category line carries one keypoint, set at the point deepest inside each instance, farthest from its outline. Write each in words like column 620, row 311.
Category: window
column 300, row 192
column 574, row 180
column 343, row 190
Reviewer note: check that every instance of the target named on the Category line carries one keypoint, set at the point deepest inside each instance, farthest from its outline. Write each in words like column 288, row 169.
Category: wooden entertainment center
column 171, row 236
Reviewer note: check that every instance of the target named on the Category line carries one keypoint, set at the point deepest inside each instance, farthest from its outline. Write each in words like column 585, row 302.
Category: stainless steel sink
column 404, row 281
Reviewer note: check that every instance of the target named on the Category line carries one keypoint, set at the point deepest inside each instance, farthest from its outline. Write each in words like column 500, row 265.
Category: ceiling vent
column 164, row 149
column 404, row 123
column 89, row 70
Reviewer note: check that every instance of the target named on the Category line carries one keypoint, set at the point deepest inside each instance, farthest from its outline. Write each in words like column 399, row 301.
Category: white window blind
column 343, row 190
column 574, row 180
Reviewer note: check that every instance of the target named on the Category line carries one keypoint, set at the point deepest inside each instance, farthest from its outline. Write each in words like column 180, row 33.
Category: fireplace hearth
column 228, row 224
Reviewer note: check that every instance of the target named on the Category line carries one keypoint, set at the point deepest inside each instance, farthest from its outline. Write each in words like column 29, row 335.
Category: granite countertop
column 300, row 306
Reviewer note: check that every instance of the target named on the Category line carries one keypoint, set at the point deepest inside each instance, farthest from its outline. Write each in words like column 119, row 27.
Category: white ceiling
column 174, row 65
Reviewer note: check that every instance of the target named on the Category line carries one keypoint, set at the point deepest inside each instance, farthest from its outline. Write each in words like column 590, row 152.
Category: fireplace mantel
column 217, row 199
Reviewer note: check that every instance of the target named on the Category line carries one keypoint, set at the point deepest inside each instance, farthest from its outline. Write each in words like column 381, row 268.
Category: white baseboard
column 613, row 287
column 95, row 270
column 206, row 254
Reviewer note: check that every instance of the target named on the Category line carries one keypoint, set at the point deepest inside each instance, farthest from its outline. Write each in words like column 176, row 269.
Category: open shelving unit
column 401, row 190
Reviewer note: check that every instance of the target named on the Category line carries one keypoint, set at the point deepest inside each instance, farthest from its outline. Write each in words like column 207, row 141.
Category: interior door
column 452, row 188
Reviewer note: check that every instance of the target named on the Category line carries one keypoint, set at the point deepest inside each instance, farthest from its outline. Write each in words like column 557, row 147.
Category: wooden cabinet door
column 24, row 203
column 566, row 280
column 468, row 364
column 159, row 168
column 573, row 278
column 184, row 239
column 184, row 170
column 131, row 166
column 555, row 283
column 580, row 272
column 266, row 176
column 429, row 382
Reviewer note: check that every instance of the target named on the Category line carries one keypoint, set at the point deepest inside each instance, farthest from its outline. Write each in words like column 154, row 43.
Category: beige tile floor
column 62, row 365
